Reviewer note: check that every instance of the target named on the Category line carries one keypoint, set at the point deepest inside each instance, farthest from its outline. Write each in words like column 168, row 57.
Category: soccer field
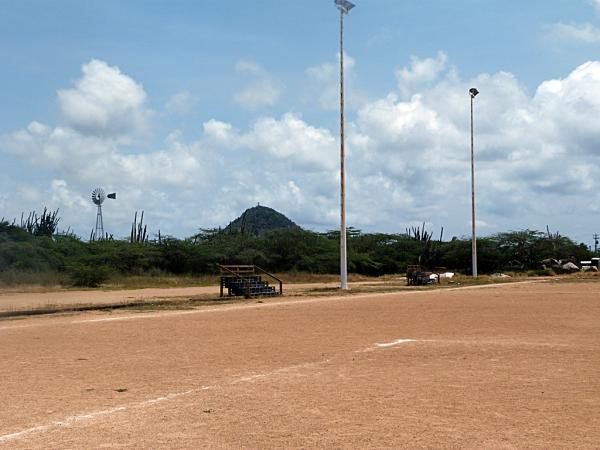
column 510, row 366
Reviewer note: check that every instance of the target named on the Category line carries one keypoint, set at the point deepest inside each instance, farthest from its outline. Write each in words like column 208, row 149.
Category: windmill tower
column 98, row 197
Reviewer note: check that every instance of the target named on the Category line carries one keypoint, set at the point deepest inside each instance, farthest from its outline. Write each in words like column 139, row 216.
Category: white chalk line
column 388, row 345
column 395, row 343
column 86, row 417
column 224, row 309
column 72, row 420
column 261, row 376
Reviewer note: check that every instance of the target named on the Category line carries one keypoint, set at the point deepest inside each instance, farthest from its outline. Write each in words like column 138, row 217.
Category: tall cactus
column 139, row 231
column 44, row 225
column 429, row 251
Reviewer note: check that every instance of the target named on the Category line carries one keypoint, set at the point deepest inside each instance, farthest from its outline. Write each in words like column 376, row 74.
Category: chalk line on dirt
column 72, row 420
column 86, row 417
column 395, row 343
column 387, row 345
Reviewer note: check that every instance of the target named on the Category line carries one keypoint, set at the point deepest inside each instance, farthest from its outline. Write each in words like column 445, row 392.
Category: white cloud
column 324, row 84
column 95, row 160
column 105, row 102
column 61, row 194
column 537, row 159
column 530, row 150
column 180, row 103
column 421, row 71
column 220, row 131
column 289, row 140
column 293, row 140
column 263, row 92
column 576, row 32
column 249, row 67
column 579, row 32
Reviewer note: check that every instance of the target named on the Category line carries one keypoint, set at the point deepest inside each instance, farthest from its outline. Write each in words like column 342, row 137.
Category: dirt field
column 512, row 366
column 18, row 301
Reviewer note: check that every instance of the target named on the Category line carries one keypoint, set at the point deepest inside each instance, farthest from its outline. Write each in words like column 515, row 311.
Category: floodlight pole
column 343, row 241
column 473, row 93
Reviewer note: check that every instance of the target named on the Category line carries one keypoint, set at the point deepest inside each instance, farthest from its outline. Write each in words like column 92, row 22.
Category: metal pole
column 99, row 233
column 343, row 252
column 474, row 236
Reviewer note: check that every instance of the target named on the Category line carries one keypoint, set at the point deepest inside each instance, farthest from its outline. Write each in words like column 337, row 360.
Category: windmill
column 98, row 197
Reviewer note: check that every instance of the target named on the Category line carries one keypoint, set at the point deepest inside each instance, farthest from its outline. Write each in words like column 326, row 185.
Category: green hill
column 261, row 219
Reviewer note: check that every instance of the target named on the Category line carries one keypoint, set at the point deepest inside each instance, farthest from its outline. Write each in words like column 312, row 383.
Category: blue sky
column 195, row 110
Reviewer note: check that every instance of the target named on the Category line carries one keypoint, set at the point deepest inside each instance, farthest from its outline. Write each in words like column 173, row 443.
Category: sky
column 194, row 110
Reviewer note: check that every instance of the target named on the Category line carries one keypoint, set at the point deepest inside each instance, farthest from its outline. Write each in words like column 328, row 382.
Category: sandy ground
column 512, row 366
column 29, row 300
column 17, row 301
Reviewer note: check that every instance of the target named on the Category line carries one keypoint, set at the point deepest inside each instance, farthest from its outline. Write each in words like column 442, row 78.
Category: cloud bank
column 408, row 156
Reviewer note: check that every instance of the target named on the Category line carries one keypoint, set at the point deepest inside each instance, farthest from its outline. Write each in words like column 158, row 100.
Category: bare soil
column 32, row 300
column 508, row 366
column 16, row 301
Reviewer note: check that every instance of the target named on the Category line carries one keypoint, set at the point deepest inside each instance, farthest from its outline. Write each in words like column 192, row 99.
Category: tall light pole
column 344, row 6
column 473, row 93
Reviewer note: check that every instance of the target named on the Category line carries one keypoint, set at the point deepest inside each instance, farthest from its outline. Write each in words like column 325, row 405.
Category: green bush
column 88, row 276
column 24, row 258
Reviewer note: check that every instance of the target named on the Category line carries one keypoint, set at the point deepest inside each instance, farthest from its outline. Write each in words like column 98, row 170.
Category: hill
column 261, row 219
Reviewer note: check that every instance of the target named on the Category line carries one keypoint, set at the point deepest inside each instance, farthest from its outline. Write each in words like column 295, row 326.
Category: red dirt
column 512, row 366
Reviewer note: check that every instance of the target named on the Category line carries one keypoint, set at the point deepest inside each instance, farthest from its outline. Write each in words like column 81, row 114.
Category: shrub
column 88, row 276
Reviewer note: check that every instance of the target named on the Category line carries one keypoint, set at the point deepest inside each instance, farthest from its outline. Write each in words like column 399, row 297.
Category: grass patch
column 122, row 282
column 16, row 281
column 305, row 277
column 580, row 277
column 12, row 279
column 179, row 304
column 398, row 284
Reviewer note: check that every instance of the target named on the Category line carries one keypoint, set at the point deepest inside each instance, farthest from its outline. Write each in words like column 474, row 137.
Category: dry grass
column 123, row 282
column 51, row 282
column 174, row 281
column 303, row 277
column 13, row 282
column 17, row 281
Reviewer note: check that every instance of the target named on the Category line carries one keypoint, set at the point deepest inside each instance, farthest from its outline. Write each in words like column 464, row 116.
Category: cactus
column 429, row 253
column 139, row 231
column 44, row 225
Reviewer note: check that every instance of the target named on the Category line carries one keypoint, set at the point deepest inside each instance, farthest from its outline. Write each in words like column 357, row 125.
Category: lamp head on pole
column 473, row 92
column 344, row 6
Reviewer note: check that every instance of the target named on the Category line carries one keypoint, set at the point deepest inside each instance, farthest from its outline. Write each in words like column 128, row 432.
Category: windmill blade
column 98, row 196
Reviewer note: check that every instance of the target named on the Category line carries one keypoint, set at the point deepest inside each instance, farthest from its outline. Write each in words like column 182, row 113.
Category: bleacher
column 247, row 281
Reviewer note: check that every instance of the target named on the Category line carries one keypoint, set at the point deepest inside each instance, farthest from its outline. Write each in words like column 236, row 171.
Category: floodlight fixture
column 344, row 6
column 473, row 92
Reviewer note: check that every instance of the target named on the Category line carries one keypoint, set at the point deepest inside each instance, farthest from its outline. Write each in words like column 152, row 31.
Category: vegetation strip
column 36, row 252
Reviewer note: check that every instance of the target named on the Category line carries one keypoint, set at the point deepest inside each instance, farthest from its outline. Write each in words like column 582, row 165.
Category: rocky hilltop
column 261, row 219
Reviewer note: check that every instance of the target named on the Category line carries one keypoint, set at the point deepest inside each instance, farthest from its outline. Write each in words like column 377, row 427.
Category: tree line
column 28, row 249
